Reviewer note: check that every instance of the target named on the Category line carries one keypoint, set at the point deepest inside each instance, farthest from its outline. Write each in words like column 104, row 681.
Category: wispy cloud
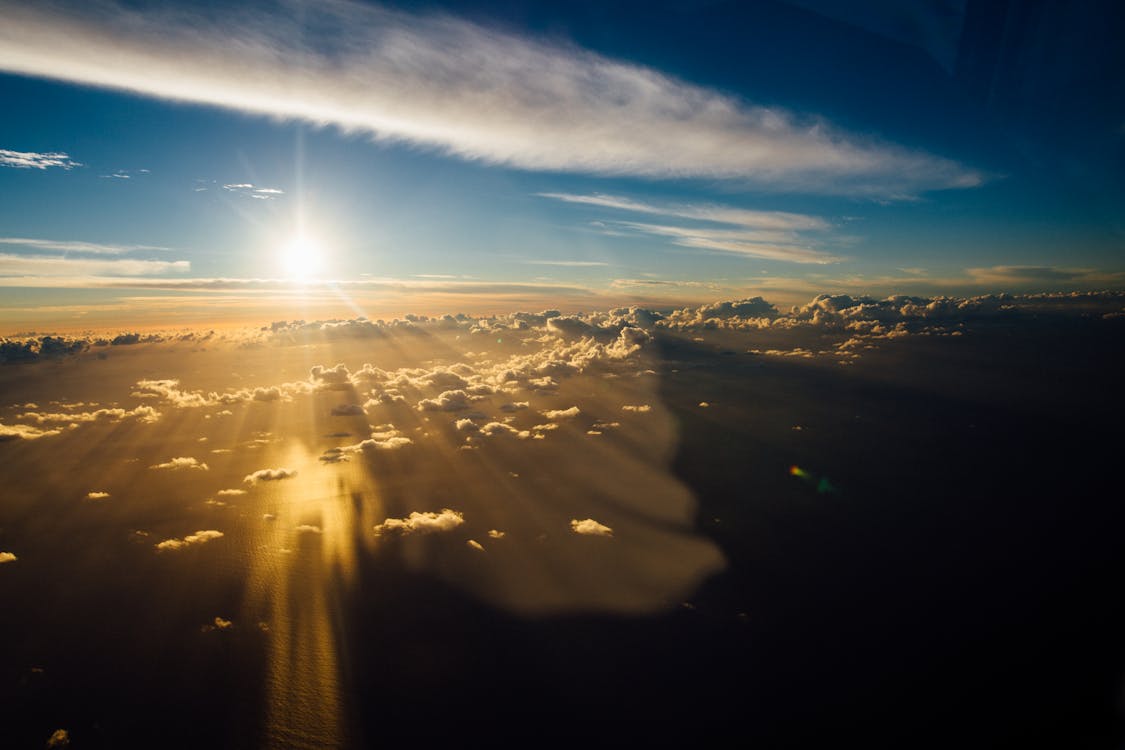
column 567, row 263
column 73, row 246
column 251, row 191
column 36, row 160
column 454, row 86
column 770, row 235
column 43, row 266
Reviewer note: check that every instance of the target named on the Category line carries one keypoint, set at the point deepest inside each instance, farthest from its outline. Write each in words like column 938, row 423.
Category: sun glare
column 301, row 257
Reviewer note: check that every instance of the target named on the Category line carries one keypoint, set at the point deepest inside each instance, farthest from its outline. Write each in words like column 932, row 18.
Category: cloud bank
column 459, row 88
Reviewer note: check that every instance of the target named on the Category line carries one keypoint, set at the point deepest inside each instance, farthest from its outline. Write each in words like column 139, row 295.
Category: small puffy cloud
column 348, row 410
column 466, row 425
column 308, row 528
column 427, row 522
column 199, row 537
column 573, row 411
column 474, row 544
column 704, row 405
column 495, row 429
column 7, row 557
column 514, row 406
column 230, row 493
column 182, row 462
column 639, row 408
column 331, row 378
column 269, row 475
column 97, row 495
column 495, row 534
column 447, row 401
column 590, row 527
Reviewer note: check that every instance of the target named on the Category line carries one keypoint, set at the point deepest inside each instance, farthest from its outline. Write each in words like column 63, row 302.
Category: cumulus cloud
column 7, row 557
column 474, row 544
column 145, row 414
column 308, row 528
column 495, row 534
column 590, row 527
column 639, row 408
column 447, row 401
column 570, row 413
column 269, row 475
column 199, row 537
column 36, row 159
column 348, row 410
column 422, row 523
column 459, row 88
column 24, row 432
column 181, row 462
column 230, row 493
column 97, row 495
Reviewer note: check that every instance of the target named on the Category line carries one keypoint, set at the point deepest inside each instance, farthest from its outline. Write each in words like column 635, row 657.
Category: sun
column 301, row 257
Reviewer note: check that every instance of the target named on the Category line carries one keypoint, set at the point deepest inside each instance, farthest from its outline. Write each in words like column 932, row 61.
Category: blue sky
column 585, row 153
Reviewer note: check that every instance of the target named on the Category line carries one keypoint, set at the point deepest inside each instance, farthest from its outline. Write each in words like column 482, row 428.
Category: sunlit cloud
column 7, row 557
column 590, row 527
column 97, row 495
column 567, row 413
column 24, row 432
column 269, row 475
column 775, row 220
column 199, row 537
column 427, row 522
column 182, row 462
column 36, row 160
column 35, row 266
column 461, row 89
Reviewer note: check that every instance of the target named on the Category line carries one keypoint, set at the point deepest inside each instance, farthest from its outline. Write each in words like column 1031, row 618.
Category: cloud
column 182, row 462
column 97, row 495
column 639, row 408
column 230, row 493
column 570, row 413
column 474, row 544
column 36, row 160
column 348, row 410
column 771, row 235
column 58, row 738
column 199, row 537
column 250, row 191
column 145, row 414
column 308, row 528
column 269, row 475
column 566, row 263
column 75, row 246
column 447, row 401
column 7, row 557
column 58, row 266
column 495, row 534
column 590, row 527
column 427, row 522
column 24, row 432
column 458, row 88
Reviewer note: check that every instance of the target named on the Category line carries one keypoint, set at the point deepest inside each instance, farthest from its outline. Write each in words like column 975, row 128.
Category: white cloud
column 36, row 160
column 771, row 235
column 76, row 246
column 7, row 557
column 58, row 266
column 182, row 462
column 251, row 191
column 199, row 537
column 269, row 475
column 422, row 523
column 590, row 527
column 462, row 89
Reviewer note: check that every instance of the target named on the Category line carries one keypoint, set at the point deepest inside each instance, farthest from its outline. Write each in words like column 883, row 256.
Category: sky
column 164, row 163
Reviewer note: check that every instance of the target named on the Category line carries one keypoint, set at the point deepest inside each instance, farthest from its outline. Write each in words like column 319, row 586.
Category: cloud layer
column 472, row 92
